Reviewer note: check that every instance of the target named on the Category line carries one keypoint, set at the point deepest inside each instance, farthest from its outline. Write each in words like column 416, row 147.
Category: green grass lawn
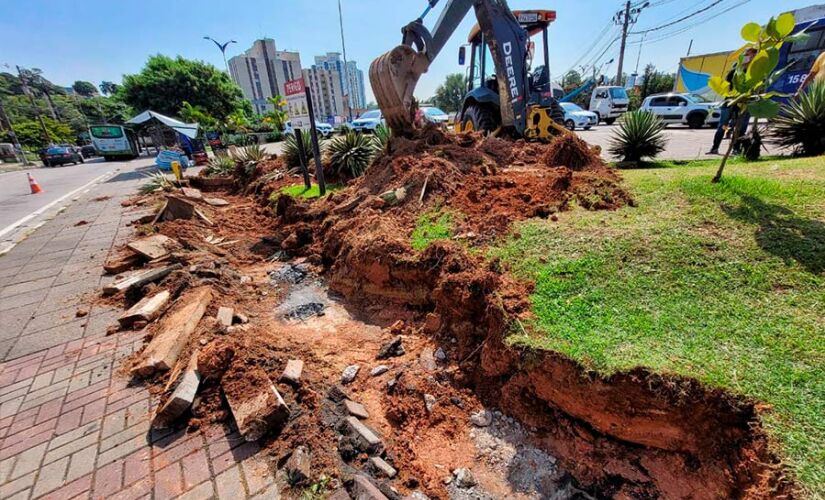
column 431, row 226
column 721, row 282
column 300, row 191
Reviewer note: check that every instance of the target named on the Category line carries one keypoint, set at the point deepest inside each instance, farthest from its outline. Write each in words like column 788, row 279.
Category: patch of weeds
column 317, row 490
column 432, row 226
column 299, row 191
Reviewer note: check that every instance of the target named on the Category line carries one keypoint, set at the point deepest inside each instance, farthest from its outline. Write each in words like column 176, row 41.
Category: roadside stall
column 169, row 134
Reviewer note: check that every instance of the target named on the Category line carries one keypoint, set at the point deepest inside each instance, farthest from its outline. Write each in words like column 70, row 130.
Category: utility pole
column 348, row 88
column 28, row 92
column 4, row 119
column 626, row 18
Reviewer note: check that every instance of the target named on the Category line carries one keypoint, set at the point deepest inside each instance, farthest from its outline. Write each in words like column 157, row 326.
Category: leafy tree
column 748, row 90
column 196, row 114
column 108, row 88
column 450, row 95
column 277, row 119
column 30, row 133
column 572, row 79
column 101, row 109
column 165, row 83
column 656, row 82
column 86, row 89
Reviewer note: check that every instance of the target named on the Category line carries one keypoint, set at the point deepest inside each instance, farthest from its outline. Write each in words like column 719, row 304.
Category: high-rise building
column 327, row 94
column 352, row 80
column 262, row 71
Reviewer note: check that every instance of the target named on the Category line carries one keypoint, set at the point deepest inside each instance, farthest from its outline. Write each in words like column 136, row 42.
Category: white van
column 609, row 103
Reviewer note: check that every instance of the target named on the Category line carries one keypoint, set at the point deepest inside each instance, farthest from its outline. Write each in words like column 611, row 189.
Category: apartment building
column 351, row 80
column 262, row 70
column 327, row 95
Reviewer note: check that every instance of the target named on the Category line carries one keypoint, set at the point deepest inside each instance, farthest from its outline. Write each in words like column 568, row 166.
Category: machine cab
column 482, row 85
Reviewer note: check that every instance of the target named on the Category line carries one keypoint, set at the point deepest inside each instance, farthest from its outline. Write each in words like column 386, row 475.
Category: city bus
column 114, row 141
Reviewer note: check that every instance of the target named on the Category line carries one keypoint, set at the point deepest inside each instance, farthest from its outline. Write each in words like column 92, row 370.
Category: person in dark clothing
column 730, row 116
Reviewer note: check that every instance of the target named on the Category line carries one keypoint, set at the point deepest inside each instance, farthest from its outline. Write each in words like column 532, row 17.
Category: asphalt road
column 20, row 210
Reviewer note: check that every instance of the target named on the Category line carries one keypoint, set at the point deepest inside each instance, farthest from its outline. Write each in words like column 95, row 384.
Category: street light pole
column 346, row 69
column 222, row 48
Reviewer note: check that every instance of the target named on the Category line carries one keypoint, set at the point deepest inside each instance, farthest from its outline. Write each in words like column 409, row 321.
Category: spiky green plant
column 157, row 182
column 220, row 165
column 801, row 123
column 350, row 153
column 639, row 135
column 381, row 137
column 251, row 154
column 291, row 148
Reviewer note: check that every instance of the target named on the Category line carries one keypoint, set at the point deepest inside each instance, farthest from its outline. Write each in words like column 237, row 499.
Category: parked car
column 325, row 129
column 368, row 121
column 435, row 115
column 609, row 103
column 685, row 109
column 575, row 116
column 61, row 155
column 88, row 151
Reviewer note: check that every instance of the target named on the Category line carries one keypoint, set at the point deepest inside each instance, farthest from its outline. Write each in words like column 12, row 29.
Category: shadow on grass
column 783, row 233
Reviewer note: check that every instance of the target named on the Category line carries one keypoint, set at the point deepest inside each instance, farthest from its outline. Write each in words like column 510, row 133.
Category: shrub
column 220, row 165
column 274, row 136
column 351, row 153
column 639, row 135
column 157, row 182
column 801, row 124
column 291, row 148
column 381, row 137
column 251, row 154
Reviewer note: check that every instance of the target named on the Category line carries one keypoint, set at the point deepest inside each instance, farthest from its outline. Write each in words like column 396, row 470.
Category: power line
column 683, row 29
column 683, row 18
column 598, row 39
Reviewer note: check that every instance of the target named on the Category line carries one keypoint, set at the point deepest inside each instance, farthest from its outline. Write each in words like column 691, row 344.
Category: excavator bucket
column 394, row 76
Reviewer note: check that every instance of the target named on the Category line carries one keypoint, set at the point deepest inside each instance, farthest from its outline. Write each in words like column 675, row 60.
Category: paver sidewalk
column 71, row 426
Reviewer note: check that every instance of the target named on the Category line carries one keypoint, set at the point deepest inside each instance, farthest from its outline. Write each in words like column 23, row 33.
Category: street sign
column 296, row 104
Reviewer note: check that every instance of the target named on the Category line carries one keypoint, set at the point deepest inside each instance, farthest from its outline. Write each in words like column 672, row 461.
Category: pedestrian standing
column 728, row 115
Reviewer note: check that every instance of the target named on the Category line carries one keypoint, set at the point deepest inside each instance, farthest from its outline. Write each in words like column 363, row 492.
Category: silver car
column 575, row 117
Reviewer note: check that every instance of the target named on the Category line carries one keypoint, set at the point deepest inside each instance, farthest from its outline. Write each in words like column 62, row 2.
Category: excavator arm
column 395, row 74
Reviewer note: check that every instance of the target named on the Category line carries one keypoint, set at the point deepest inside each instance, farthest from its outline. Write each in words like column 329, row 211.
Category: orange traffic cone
column 35, row 187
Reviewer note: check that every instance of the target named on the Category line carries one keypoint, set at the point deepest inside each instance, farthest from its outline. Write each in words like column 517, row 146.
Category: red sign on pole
column 292, row 87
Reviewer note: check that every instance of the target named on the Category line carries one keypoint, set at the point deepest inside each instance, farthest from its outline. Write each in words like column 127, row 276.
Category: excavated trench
column 631, row 435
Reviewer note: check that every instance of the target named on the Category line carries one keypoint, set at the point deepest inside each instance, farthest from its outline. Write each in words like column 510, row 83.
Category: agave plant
column 157, row 182
column 640, row 135
column 220, row 165
column 350, row 153
column 251, row 154
column 291, row 148
column 381, row 137
column 801, row 124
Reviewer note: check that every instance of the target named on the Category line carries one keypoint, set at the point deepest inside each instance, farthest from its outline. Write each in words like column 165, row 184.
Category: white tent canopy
column 188, row 129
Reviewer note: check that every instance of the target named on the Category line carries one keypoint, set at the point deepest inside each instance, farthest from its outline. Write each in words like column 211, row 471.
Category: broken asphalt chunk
column 393, row 348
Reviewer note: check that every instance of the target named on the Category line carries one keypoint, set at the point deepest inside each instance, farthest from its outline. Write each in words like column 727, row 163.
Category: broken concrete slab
column 363, row 489
column 382, row 468
column 182, row 398
column 393, row 348
column 179, row 208
column 165, row 347
column 255, row 402
column 122, row 263
column 482, row 418
column 298, row 467
column 427, row 359
column 138, row 279
column 356, row 409
column 146, row 310
column 366, row 436
column 292, row 372
column 153, row 247
column 349, row 374
column 216, row 202
column 225, row 315
column 192, row 193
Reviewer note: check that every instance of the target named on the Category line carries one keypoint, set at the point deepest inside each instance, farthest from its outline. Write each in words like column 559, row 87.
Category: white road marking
column 8, row 229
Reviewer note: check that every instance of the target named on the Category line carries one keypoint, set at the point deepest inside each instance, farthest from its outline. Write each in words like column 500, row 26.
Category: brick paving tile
column 71, row 426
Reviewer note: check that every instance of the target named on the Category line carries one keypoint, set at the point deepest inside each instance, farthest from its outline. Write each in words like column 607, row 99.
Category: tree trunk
column 718, row 176
column 50, row 103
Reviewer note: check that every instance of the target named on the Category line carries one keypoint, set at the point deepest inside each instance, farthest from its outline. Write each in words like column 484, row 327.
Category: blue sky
column 102, row 40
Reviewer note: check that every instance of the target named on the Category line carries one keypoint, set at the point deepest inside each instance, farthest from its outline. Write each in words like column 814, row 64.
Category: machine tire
column 610, row 121
column 696, row 120
column 569, row 125
column 482, row 118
